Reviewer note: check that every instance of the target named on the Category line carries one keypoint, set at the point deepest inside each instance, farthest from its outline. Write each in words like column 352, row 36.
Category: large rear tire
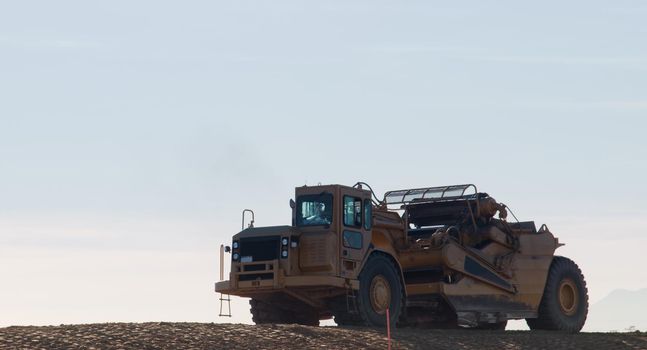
column 565, row 303
column 380, row 288
column 267, row 311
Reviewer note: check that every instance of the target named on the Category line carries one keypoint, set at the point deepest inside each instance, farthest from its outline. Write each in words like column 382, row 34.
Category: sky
column 132, row 134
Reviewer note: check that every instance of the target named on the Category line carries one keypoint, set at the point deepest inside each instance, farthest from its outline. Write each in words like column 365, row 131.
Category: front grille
column 256, row 267
column 260, row 248
column 256, row 276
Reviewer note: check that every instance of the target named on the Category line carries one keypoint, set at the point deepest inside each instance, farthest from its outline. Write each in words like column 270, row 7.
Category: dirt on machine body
column 434, row 257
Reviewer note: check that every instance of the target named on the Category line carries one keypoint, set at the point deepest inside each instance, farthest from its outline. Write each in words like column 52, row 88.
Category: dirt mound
column 236, row 336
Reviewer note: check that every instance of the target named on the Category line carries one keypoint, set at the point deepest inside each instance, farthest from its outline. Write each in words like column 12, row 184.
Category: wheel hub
column 568, row 297
column 380, row 292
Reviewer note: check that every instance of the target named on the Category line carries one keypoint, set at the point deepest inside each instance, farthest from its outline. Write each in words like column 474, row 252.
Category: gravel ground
column 236, row 336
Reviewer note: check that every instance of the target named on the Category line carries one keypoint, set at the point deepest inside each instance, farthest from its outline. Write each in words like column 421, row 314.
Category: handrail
column 376, row 200
column 251, row 224
column 400, row 196
column 222, row 262
column 418, row 195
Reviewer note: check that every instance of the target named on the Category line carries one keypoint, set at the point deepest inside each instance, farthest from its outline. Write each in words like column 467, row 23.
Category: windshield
column 314, row 209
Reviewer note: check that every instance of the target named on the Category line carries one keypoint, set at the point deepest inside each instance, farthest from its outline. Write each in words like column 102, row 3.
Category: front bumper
column 243, row 283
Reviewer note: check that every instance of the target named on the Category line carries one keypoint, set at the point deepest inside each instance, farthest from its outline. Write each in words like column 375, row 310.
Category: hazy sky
column 132, row 134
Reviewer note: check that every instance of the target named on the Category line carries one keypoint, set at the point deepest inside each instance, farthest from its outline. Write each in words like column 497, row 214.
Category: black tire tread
column 548, row 318
column 378, row 258
column 266, row 312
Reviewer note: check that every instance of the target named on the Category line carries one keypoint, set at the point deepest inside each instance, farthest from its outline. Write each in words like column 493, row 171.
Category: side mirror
column 292, row 204
column 227, row 249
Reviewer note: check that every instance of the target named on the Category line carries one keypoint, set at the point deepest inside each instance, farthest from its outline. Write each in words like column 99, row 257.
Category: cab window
column 352, row 211
column 352, row 239
column 368, row 214
column 313, row 210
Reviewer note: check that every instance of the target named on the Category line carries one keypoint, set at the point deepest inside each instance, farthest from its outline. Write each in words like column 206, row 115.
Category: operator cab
column 337, row 216
column 331, row 206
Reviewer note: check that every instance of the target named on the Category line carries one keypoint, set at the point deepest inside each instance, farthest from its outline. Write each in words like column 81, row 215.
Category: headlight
column 235, row 256
column 235, row 245
column 284, row 253
column 284, row 241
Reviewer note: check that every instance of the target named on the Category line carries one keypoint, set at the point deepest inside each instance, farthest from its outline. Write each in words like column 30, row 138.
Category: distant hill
column 618, row 311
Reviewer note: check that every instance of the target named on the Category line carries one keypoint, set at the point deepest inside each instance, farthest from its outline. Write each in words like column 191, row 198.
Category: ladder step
column 351, row 301
column 228, row 300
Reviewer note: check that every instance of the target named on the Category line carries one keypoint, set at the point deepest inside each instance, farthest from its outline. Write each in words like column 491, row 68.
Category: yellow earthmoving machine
column 433, row 257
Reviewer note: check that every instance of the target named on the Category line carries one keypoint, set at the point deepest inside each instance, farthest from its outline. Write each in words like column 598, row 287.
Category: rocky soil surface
column 236, row 336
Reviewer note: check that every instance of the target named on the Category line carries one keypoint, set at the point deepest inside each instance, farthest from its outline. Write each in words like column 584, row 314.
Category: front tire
column 380, row 289
column 270, row 311
column 565, row 303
